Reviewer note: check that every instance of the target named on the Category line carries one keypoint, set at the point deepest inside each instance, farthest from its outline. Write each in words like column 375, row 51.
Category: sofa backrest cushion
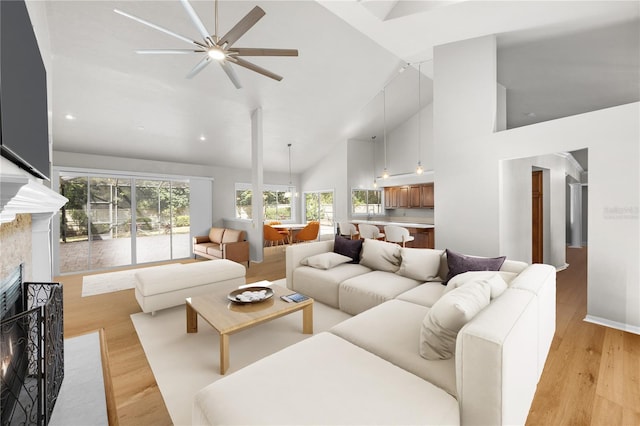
column 380, row 255
column 448, row 315
column 348, row 247
column 215, row 235
column 420, row 264
column 232, row 236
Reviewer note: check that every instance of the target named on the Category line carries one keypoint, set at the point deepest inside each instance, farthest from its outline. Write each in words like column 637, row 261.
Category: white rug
column 185, row 363
column 110, row 282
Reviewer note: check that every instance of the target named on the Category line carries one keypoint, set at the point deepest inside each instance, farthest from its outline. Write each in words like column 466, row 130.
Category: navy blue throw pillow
column 348, row 247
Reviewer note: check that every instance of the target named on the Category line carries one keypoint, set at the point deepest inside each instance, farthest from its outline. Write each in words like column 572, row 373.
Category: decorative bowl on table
column 250, row 294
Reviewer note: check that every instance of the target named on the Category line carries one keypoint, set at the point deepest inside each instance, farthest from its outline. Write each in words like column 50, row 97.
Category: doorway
column 537, row 217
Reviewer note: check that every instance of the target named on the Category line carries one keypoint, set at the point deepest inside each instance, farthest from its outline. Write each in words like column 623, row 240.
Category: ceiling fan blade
column 167, row 51
column 247, row 51
column 199, row 66
column 154, row 26
column 196, row 20
column 242, row 26
column 231, row 73
column 256, row 68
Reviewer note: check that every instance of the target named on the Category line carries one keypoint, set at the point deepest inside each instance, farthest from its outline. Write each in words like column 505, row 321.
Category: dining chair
column 308, row 233
column 271, row 235
column 397, row 234
column 370, row 231
column 284, row 232
column 348, row 229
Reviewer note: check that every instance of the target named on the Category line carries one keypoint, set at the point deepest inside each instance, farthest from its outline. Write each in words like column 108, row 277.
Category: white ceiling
column 141, row 106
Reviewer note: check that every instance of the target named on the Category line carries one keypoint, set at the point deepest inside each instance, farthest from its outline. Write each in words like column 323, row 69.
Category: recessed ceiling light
column 202, row 138
column 530, row 114
column 70, row 117
column 140, row 127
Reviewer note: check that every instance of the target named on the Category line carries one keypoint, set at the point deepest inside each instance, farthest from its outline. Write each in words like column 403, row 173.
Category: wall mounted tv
column 24, row 126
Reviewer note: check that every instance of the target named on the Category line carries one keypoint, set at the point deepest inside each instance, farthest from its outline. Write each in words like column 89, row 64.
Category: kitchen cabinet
column 415, row 196
column 426, row 195
column 411, row 197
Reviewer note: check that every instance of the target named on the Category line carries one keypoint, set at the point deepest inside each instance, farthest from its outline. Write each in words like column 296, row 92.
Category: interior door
column 537, row 217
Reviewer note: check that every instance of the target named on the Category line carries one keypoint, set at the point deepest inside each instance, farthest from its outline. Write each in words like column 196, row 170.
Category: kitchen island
column 424, row 233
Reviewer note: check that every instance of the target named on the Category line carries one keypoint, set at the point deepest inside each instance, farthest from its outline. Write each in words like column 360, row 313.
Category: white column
column 41, row 260
column 575, row 214
column 257, row 203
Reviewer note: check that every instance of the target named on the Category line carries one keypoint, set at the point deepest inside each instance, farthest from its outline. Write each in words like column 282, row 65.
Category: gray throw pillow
column 459, row 263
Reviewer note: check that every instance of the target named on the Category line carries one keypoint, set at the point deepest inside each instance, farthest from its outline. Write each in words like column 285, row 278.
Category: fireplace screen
column 31, row 350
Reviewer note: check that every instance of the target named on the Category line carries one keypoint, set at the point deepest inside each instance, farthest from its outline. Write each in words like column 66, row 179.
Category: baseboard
column 612, row 324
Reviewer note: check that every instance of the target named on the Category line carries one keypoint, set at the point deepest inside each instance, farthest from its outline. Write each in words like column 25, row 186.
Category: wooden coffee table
column 228, row 318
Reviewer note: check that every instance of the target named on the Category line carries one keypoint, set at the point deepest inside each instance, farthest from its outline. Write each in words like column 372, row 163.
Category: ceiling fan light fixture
column 216, row 53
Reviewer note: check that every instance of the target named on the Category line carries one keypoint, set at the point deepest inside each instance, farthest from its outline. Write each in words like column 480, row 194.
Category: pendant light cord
column 289, row 145
column 419, row 107
column 384, row 118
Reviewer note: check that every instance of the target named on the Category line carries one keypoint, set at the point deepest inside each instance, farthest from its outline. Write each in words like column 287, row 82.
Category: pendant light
column 419, row 169
column 289, row 189
column 373, row 143
column 385, row 173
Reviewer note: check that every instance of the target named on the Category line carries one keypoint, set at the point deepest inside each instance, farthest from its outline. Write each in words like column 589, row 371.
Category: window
column 319, row 206
column 366, row 201
column 277, row 202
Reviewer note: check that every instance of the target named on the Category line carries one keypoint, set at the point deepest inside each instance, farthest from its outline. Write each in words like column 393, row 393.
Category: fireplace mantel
column 19, row 194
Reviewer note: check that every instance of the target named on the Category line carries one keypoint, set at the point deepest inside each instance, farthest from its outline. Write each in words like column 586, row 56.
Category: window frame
column 380, row 205
column 333, row 207
column 239, row 186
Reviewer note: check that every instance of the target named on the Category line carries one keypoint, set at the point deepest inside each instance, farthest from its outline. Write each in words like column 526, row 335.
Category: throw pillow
column 447, row 316
column 325, row 260
column 419, row 264
column 459, row 263
column 348, row 247
column 380, row 255
column 498, row 281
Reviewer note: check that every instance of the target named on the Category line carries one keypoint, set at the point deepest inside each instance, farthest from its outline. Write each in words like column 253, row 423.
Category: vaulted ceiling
column 142, row 106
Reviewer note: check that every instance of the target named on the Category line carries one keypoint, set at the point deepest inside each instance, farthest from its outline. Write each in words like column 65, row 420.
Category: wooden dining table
column 290, row 227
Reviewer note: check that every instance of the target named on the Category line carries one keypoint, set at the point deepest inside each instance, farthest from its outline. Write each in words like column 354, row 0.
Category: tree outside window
column 366, row 201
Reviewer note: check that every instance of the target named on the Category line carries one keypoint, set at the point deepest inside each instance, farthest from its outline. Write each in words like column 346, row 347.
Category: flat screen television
column 24, row 125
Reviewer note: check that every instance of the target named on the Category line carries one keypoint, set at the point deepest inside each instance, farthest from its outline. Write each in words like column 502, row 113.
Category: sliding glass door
column 113, row 221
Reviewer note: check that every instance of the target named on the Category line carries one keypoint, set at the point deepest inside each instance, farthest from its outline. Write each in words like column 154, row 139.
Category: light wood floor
column 592, row 374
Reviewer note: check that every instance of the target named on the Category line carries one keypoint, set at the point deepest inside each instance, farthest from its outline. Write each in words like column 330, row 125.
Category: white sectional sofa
column 384, row 365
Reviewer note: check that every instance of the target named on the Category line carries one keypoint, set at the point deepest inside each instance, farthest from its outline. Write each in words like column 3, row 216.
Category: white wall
column 330, row 173
column 467, row 170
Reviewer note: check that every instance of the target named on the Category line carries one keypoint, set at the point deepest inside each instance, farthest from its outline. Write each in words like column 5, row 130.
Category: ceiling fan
column 218, row 49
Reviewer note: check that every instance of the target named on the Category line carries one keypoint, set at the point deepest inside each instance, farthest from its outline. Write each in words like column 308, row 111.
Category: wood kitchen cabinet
column 414, row 196
column 426, row 195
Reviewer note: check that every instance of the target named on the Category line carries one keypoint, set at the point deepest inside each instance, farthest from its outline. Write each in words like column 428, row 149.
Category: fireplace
column 31, row 349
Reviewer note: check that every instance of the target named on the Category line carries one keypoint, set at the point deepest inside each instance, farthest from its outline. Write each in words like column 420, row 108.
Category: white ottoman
column 168, row 285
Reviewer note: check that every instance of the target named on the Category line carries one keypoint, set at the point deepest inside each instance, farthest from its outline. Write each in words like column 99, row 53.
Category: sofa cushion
column 215, row 235
column 326, row 260
column 322, row 285
column 459, row 263
column 426, row 294
column 323, row 380
column 498, row 281
column 365, row 291
column 214, row 250
column 419, row 264
column 348, row 247
column 232, row 236
column 448, row 315
column 380, row 255
column 392, row 332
